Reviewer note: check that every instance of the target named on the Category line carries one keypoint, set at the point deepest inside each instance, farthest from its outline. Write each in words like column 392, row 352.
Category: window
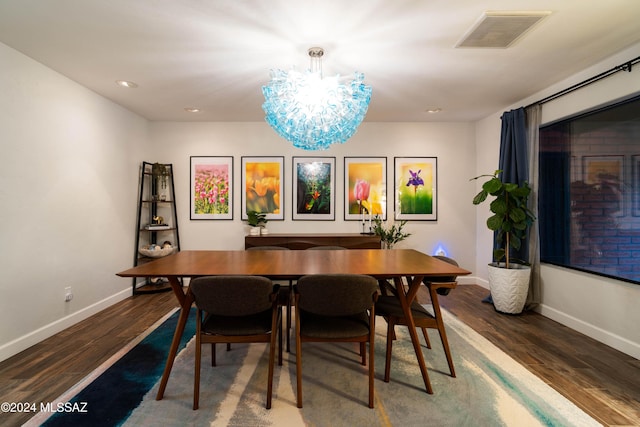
column 589, row 192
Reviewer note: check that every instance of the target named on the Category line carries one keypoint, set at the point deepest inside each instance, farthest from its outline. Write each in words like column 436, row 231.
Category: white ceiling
column 216, row 54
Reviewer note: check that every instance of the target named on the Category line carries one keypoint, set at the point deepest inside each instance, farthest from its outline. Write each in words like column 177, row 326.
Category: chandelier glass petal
column 314, row 112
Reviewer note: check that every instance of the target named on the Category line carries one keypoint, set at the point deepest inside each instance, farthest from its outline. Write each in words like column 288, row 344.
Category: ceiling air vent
column 501, row 29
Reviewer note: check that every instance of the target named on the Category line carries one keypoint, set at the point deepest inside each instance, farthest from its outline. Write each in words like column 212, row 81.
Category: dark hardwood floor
column 46, row 370
column 602, row 381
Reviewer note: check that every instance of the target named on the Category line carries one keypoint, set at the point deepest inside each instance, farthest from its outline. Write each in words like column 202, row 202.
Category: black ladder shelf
column 157, row 223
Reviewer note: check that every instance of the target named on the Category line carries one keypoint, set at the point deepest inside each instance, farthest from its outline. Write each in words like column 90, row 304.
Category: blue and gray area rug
column 491, row 389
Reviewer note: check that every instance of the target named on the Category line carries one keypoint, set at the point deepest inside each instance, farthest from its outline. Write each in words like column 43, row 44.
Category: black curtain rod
column 627, row 66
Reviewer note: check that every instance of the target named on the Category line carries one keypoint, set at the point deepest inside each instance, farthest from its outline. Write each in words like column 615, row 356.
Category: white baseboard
column 598, row 334
column 19, row 344
column 612, row 340
column 472, row 280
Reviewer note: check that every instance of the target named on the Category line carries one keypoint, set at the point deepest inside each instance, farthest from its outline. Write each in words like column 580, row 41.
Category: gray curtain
column 534, row 117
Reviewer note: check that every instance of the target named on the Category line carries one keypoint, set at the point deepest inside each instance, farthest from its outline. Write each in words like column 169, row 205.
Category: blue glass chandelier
column 311, row 111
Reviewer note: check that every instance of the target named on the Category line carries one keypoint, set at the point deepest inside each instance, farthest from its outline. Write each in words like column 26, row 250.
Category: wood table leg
column 405, row 301
column 185, row 300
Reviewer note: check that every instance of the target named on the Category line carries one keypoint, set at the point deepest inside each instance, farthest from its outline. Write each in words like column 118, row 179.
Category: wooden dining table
column 395, row 264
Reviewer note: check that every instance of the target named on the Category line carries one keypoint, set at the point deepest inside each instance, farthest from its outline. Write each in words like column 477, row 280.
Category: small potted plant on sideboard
column 257, row 221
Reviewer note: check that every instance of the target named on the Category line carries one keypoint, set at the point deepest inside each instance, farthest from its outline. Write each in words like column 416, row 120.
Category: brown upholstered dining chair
column 336, row 308
column 286, row 293
column 388, row 306
column 236, row 309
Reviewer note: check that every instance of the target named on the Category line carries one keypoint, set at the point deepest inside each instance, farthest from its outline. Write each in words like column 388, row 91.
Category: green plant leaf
column 492, row 186
column 494, row 222
column 517, row 215
column 498, row 206
column 521, row 226
column 480, row 197
column 515, row 242
column 510, row 187
column 522, row 192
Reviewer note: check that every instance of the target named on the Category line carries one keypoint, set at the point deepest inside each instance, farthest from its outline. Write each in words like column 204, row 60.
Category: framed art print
column 211, row 187
column 263, row 186
column 314, row 181
column 599, row 169
column 416, row 183
column 365, row 187
column 605, row 177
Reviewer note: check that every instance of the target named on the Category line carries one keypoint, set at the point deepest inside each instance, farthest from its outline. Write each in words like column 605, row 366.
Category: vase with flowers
column 389, row 235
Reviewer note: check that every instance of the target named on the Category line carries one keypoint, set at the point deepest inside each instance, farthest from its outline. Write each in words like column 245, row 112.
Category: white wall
column 604, row 309
column 451, row 143
column 68, row 191
column 68, row 186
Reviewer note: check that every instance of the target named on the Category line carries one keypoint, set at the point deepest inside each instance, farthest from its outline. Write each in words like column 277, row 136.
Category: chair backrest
column 333, row 248
column 336, row 294
column 433, row 279
column 232, row 295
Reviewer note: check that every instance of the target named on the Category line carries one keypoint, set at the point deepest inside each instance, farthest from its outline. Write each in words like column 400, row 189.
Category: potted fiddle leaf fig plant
column 510, row 220
column 257, row 221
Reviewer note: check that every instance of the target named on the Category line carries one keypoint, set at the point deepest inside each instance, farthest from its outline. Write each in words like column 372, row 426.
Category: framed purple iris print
column 314, row 183
column 365, row 188
column 211, row 187
column 416, row 183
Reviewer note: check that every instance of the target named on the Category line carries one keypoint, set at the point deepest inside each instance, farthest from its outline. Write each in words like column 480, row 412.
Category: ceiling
column 216, row 54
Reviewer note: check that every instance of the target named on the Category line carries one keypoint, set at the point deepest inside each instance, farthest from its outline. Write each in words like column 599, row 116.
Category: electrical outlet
column 68, row 295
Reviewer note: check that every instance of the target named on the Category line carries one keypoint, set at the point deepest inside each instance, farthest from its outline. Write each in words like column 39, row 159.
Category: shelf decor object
column 314, row 112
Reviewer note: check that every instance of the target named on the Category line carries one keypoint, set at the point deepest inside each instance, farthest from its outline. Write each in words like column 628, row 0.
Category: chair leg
column 371, row 364
column 213, row 354
column 196, row 375
column 298, row 364
column 289, row 324
column 280, row 338
column 387, row 362
column 447, row 352
column 272, row 352
column 426, row 337
column 441, row 330
column 363, row 354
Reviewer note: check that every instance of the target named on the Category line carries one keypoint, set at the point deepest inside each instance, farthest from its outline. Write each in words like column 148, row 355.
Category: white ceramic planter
column 509, row 287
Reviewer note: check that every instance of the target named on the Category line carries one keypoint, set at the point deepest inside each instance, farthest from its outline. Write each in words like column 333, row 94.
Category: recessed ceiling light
column 192, row 110
column 433, row 110
column 128, row 84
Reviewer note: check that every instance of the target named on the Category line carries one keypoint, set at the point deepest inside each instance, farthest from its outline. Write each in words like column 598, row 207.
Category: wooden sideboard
column 305, row 241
